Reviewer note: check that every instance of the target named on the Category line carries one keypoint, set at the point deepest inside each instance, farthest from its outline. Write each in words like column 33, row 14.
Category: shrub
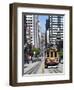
column 61, row 53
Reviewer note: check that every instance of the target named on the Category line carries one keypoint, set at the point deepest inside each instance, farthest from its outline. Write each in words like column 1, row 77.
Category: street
column 38, row 68
column 32, row 68
column 53, row 69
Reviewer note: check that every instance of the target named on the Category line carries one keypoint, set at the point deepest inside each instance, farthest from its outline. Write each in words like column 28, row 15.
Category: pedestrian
column 26, row 58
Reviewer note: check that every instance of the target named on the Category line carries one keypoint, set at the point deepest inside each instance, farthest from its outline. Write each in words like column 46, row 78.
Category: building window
column 55, row 19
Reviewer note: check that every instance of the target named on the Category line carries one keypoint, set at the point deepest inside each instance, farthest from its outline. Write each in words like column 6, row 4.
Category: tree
column 36, row 50
column 61, row 54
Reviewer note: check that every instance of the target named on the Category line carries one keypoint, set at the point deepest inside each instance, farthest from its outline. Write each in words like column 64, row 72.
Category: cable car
column 52, row 57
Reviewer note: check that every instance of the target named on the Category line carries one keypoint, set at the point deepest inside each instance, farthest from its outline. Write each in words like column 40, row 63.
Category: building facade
column 31, row 30
column 36, row 31
column 54, row 29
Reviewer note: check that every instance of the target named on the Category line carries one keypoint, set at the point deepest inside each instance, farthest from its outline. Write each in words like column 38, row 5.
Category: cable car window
column 51, row 54
column 55, row 54
column 47, row 54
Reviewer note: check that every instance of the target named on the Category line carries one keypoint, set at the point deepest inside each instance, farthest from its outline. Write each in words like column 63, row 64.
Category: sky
column 42, row 19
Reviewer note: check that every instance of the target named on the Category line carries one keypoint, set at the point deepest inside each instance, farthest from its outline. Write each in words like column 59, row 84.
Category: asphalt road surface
column 55, row 69
column 38, row 68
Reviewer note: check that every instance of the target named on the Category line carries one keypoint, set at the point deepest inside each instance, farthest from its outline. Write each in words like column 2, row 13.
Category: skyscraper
column 31, row 30
column 54, row 29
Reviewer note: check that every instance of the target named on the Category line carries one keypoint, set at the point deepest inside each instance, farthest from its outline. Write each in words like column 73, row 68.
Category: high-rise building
column 36, row 31
column 24, row 28
column 54, row 29
column 31, row 30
